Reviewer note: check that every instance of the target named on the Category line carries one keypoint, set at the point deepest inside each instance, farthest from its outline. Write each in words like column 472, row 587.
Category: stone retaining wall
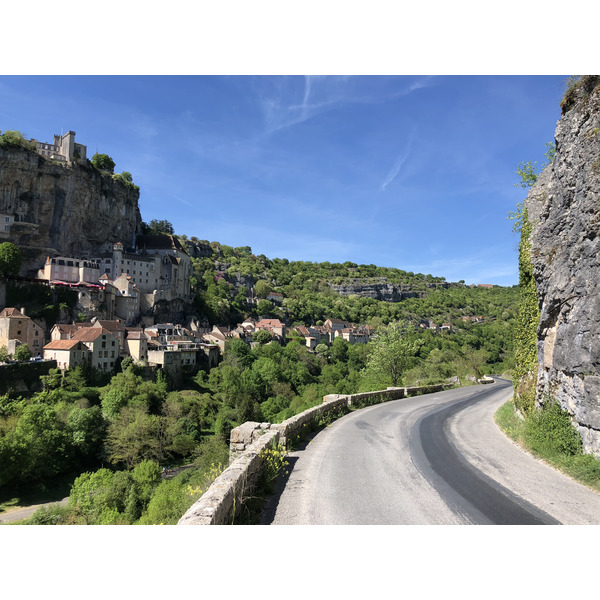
column 224, row 498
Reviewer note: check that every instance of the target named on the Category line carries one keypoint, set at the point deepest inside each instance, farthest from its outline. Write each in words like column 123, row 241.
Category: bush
column 103, row 162
column 549, row 431
column 55, row 514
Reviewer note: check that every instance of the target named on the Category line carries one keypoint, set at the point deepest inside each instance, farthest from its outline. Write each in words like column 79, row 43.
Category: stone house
column 219, row 335
column 69, row 270
column 17, row 328
column 166, row 332
column 273, row 326
column 67, row 353
column 176, row 265
column 65, row 331
column 117, row 329
column 276, row 297
column 127, row 299
column 136, row 344
column 143, row 270
column 103, row 346
column 334, row 324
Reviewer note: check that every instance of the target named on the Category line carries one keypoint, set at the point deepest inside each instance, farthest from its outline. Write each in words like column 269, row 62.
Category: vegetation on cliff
column 578, row 90
column 10, row 259
column 528, row 317
column 15, row 139
column 528, row 314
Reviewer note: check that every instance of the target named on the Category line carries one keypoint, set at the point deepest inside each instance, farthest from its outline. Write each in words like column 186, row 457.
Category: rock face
column 389, row 292
column 564, row 210
column 385, row 290
column 63, row 210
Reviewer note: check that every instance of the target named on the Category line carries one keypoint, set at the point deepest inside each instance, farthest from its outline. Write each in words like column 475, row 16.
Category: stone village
column 117, row 291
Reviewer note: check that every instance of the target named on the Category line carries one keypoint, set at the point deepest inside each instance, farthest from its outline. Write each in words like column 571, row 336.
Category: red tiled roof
column 89, row 334
column 269, row 323
column 110, row 325
column 61, row 344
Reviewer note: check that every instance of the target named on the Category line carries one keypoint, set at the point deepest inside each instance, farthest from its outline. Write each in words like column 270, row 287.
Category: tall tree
column 10, row 259
column 156, row 227
column 391, row 352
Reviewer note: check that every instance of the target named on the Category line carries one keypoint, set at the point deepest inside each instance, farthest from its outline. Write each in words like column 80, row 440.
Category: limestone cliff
column 564, row 210
column 385, row 290
column 58, row 209
column 389, row 292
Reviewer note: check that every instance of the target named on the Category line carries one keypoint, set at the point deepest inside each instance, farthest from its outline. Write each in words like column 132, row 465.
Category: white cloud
column 393, row 173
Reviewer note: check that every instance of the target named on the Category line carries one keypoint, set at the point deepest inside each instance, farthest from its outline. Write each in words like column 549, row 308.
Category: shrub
column 549, row 431
column 103, row 162
column 55, row 514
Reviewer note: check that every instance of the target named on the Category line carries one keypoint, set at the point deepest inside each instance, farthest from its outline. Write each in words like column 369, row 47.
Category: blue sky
column 414, row 172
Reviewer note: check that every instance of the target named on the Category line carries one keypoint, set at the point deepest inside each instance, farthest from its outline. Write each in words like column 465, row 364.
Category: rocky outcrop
column 564, row 210
column 66, row 210
column 389, row 292
column 381, row 289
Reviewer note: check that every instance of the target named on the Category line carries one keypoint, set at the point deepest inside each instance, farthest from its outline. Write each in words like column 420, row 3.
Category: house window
column 104, row 344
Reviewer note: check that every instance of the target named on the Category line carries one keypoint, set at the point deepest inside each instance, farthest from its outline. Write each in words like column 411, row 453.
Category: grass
column 549, row 435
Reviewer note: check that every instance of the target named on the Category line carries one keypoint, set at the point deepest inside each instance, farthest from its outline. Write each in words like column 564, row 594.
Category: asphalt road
column 432, row 459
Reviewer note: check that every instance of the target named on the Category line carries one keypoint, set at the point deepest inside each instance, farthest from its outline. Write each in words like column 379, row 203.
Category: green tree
column 392, row 352
column 14, row 139
column 125, row 178
column 22, row 353
column 86, row 428
column 40, row 442
column 261, row 289
column 263, row 307
column 261, row 337
column 103, row 162
column 157, row 227
column 322, row 349
column 10, row 259
column 4, row 355
column 134, row 436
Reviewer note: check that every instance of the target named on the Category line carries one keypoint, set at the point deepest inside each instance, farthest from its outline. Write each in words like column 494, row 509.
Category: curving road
column 432, row 459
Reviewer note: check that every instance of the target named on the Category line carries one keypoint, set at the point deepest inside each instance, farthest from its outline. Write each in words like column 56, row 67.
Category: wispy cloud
column 294, row 101
column 393, row 173
column 285, row 108
column 400, row 161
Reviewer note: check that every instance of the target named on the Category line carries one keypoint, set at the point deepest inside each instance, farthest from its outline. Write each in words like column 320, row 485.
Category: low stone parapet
column 224, row 498
column 293, row 426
